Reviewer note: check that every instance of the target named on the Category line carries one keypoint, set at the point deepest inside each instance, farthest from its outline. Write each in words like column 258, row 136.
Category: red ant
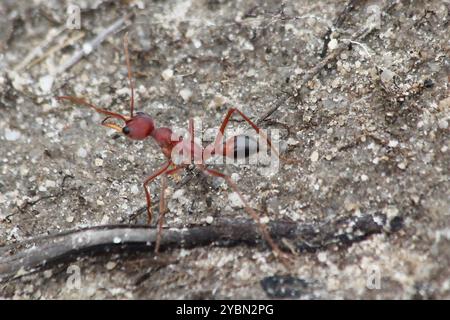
column 139, row 126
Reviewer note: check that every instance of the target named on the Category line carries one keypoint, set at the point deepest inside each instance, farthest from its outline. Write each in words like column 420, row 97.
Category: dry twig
column 358, row 36
column 42, row 252
column 89, row 46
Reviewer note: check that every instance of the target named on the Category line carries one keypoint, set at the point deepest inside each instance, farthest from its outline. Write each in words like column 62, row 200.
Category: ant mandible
column 139, row 126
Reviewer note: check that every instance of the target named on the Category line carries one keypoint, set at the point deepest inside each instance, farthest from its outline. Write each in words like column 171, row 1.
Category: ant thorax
column 187, row 152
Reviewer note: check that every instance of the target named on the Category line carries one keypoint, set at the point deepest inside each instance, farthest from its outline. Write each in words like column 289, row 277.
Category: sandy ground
column 370, row 132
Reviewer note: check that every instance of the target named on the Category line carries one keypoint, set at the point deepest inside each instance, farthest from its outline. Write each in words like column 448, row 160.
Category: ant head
column 139, row 127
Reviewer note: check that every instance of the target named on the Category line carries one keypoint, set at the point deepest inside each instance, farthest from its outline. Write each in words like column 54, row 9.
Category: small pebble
column 322, row 256
column 244, row 274
column 387, row 76
column 248, row 46
column 82, row 152
column 197, row 43
column 401, row 165
column 111, row 265
column 350, row 205
column 234, row 200
column 415, row 198
column 251, row 73
column 335, row 83
column 218, row 101
column 98, row 162
column 46, row 83
column 292, row 142
column 190, row 33
column 91, row 291
column 364, row 177
column 48, row 274
column 444, row 103
column 105, row 219
column 186, row 94
column 184, row 253
column 393, row 143
column 87, row 48
column 391, row 212
column 70, row 219
column 333, row 44
column 209, row 219
column 167, row 74
column 235, row 177
column 12, row 135
column 443, row 124
column 134, row 189
column 264, row 220
column 50, row 183
column 178, row 194
column 123, row 91
column 314, row 156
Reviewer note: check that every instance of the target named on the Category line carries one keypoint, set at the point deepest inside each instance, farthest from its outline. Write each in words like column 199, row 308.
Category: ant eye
column 126, row 130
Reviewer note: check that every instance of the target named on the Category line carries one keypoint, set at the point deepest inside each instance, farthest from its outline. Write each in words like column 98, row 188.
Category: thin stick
column 339, row 21
column 39, row 49
column 42, row 252
column 90, row 46
column 56, row 48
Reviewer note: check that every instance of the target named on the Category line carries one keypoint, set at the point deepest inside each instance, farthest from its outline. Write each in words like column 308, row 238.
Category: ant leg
column 130, row 74
column 191, row 133
column 252, row 213
column 162, row 211
column 162, row 205
column 147, row 193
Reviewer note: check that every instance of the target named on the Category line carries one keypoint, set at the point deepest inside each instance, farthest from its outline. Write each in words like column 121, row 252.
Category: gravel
column 369, row 132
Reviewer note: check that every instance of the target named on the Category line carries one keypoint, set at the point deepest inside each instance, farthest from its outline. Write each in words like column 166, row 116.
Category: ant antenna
column 130, row 75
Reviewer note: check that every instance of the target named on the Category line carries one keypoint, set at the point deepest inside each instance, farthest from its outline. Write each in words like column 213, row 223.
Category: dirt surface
column 370, row 131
